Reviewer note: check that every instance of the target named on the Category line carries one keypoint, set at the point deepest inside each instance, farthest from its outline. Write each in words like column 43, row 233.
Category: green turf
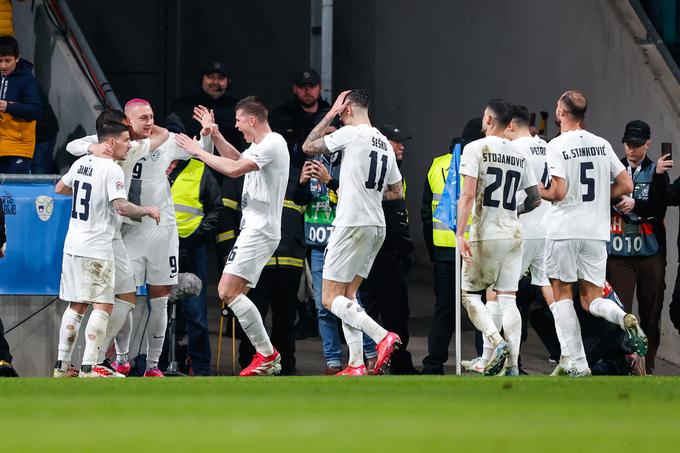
column 330, row 414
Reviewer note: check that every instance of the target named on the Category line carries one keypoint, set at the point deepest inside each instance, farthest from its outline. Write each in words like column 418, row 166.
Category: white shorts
column 153, row 253
column 351, row 252
column 86, row 280
column 125, row 277
column 249, row 255
column 496, row 264
column 533, row 260
column 569, row 260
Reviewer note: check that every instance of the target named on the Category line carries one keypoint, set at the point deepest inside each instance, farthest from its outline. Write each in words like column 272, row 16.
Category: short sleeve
column 555, row 161
column 261, row 154
column 67, row 179
column 469, row 161
column 340, row 138
column 528, row 178
column 394, row 175
column 115, row 183
column 177, row 152
column 615, row 166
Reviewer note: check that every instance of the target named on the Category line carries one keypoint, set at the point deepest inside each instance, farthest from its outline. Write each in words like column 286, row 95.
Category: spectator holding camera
column 637, row 250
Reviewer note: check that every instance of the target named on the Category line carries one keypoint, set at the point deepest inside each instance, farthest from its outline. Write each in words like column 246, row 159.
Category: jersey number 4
column 510, row 183
column 81, row 197
column 372, row 173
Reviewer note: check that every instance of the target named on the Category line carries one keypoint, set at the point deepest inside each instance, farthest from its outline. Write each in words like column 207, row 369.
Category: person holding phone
column 636, row 262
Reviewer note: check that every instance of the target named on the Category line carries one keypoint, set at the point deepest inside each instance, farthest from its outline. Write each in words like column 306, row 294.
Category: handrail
column 28, row 178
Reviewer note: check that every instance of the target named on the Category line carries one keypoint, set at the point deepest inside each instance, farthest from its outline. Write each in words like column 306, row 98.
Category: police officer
column 198, row 208
column 441, row 246
column 384, row 293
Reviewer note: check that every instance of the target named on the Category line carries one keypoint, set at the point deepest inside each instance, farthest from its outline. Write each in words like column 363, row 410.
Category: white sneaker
column 475, row 365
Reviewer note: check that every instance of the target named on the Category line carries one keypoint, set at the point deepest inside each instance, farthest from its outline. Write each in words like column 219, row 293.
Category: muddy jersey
column 501, row 170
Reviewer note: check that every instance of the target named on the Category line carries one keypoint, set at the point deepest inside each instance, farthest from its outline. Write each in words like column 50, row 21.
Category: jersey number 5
column 81, row 198
column 370, row 183
column 587, row 181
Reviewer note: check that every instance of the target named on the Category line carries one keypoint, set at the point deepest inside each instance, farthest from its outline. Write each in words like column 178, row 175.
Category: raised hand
column 189, row 145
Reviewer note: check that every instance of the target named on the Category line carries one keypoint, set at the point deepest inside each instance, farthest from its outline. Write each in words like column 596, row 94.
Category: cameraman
column 637, row 249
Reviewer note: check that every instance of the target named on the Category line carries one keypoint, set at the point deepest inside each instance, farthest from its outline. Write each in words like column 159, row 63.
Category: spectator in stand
column 45, row 138
column 6, row 369
column 215, row 83
column 637, row 249
column 19, row 109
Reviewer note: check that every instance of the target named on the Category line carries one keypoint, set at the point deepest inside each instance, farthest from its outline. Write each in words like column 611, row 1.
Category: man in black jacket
column 198, row 208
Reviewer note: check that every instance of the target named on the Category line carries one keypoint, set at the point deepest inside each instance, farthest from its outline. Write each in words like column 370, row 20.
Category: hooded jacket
column 17, row 124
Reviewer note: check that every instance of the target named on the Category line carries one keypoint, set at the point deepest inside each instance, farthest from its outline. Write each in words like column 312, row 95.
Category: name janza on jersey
column 85, row 170
column 499, row 158
column 584, row 152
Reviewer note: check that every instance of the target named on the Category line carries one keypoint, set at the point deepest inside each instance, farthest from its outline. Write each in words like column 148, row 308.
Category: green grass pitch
column 323, row 414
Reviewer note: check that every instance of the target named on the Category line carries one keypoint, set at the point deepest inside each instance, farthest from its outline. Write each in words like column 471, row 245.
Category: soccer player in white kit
column 265, row 165
column 368, row 171
column 582, row 166
column 493, row 170
column 88, row 270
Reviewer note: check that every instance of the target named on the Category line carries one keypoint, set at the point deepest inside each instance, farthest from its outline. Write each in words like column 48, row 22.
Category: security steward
column 279, row 283
column 441, row 246
column 198, row 208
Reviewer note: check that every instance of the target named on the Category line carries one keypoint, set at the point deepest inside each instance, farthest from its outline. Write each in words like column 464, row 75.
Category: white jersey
column 534, row 223
column 501, row 170
column 96, row 181
column 588, row 164
column 368, row 167
column 265, row 189
column 149, row 184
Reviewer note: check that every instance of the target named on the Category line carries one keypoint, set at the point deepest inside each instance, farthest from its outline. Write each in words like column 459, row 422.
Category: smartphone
column 667, row 148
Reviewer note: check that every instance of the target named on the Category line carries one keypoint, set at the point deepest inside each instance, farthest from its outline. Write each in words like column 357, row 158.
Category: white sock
column 567, row 322
column 155, row 331
column 607, row 309
column 355, row 345
column 350, row 311
column 95, row 330
column 494, row 310
column 481, row 318
column 512, row 325
column 564, row 349
column 68, row 335
column 251, row 321
column 123, row 340
column 118, row 316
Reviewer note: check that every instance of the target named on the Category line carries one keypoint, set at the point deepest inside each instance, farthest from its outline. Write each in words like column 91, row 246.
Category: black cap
column 471, row 132
column 215, row 66
column 307, row 77
column 391, row 132
column 637, row 132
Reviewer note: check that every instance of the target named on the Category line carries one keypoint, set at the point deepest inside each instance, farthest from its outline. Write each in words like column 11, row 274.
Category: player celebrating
column 493, row 171
column 265, row 165
column 581, row 167
column 98, row 189
column 369, row 167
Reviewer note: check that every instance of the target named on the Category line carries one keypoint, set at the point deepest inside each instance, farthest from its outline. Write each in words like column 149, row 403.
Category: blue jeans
column 14, row 165
column 43, row 159
column 195, row 309
column 328, row 322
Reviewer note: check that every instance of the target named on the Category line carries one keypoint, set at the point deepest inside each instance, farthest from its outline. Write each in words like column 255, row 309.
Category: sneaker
column 353, row 371
column 385, row 349
column 636, row 336
column 475, row 365
column 122, row 368
column 263, row 366
column 332, row 370
column 58, row 372
column 497, row 359
column 370, row 362
column 109, row 366
column 637, row 364
column 153, row 372
column 94, row 371
column 512, row 371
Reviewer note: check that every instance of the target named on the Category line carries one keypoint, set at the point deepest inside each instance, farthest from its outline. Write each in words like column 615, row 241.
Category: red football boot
column 385, row 349
column 263, row 366
column 353, row 371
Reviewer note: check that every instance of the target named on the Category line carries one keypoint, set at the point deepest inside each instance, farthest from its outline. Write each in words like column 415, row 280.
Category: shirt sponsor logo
column 44, row 205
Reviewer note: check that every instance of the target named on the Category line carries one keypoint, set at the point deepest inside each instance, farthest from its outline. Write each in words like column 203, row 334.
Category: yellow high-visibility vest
column 442, row 236
column 186, row 196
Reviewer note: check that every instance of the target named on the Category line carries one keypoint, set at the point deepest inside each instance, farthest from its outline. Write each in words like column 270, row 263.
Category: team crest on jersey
column 44, row 206
column 155, row 155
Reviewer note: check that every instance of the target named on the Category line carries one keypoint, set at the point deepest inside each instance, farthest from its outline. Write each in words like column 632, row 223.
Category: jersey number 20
column 81, row 198
column 510, row 183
